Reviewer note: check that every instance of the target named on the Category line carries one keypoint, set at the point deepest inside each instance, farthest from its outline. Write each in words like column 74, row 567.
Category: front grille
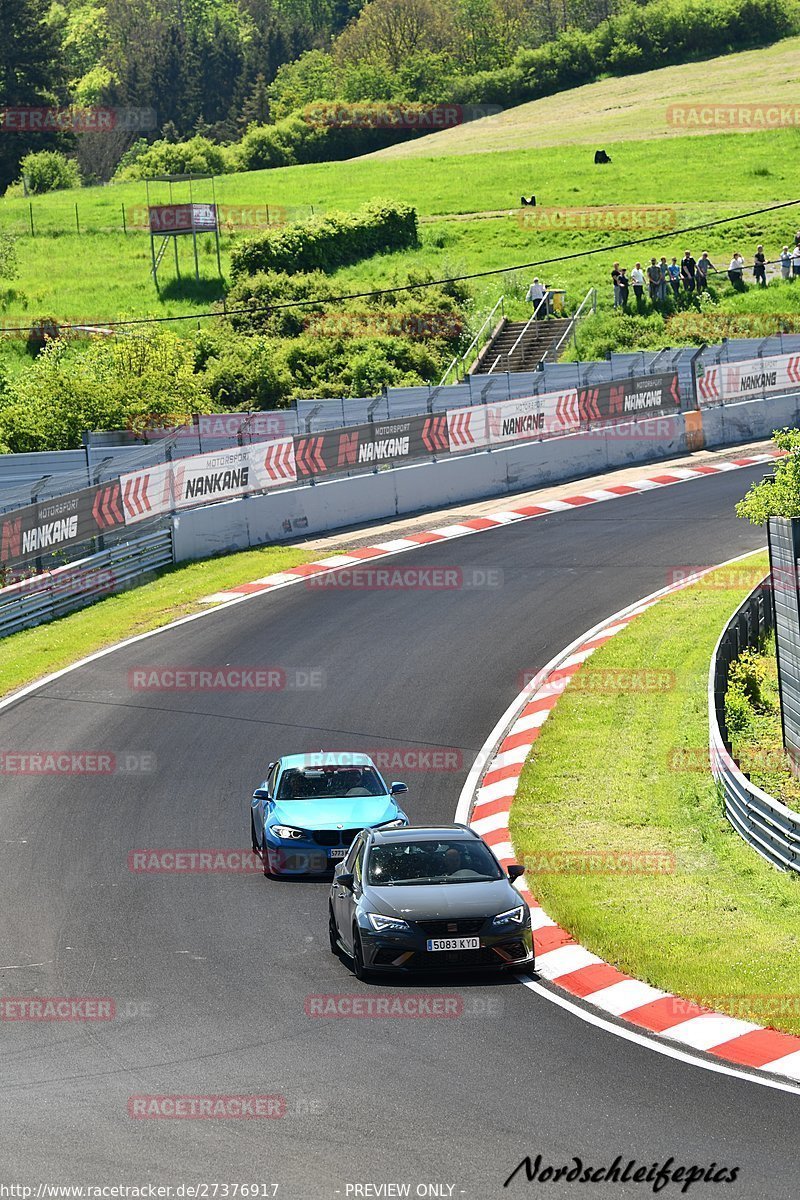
column 327, row 837
column 430, row 960
column 334, row 837
column 465, row 927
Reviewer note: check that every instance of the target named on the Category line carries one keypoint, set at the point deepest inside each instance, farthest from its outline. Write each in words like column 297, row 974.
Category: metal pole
column 124, row 222
column 77, row 221
column 30, row 206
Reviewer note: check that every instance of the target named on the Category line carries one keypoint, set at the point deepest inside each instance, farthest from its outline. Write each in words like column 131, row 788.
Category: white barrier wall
column 287, row 515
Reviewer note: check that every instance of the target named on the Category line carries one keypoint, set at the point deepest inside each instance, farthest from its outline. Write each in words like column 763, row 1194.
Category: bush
column 247, row 373
column 326, row 243
column 256, row 293
column 197, row 156
column 49, row 171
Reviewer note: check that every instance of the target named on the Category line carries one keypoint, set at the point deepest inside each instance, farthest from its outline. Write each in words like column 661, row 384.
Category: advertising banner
column 48, row 525
column 203, row 478
column 182, row 218
column 749, row 378
column 371, row 444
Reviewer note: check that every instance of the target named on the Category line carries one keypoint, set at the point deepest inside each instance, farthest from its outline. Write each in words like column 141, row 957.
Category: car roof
column 326, row 758
column 424, row 833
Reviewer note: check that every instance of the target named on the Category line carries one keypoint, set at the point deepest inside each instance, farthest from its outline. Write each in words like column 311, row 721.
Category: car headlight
column 398, row 823
column 286, row 832
column 382, row 924
column 514, row 916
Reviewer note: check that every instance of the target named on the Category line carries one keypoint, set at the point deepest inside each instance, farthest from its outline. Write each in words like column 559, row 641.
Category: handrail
column 494, row 364
column 544, row 300
column 568, row 332
column 499, row 303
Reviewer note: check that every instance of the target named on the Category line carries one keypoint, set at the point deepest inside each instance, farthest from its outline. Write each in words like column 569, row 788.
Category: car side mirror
column 346, row 880
column 398, row 789
column 514, row 871
column 261, row 794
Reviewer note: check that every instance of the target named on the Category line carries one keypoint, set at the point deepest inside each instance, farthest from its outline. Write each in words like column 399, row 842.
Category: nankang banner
column 371, row 444
column 203, row 478
column 50, row 525
column 749, row 378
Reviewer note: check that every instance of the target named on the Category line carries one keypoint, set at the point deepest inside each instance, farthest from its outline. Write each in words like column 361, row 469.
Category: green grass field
column 631, row 107
column 103, row 274
column 721, row 926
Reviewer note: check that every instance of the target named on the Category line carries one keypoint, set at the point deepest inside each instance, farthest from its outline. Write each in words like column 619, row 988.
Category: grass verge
column 626, row 770
column 177, row 592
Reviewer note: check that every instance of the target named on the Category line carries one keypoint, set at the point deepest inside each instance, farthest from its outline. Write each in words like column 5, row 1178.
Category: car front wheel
column 359, row 970
column 253, row 839
column 333, row 933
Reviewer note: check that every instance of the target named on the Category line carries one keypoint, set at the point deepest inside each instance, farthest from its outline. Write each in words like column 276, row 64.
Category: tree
column 781, row 497
column 391, row 31
column 31, row 74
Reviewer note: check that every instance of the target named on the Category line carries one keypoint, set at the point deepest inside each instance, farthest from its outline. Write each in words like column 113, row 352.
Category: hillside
column 624, row 109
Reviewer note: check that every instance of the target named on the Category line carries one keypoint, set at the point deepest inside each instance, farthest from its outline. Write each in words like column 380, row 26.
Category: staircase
column 507, row 351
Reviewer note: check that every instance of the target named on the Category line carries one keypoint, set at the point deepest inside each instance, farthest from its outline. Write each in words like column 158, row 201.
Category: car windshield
column 429, row 861
column 329, row 783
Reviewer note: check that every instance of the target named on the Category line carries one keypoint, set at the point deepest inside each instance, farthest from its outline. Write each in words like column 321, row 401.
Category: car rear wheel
column 359, row 970
column 333, row 933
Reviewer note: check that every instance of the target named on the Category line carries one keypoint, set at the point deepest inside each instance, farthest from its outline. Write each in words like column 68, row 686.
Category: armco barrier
column 772, row 829
column 43, row 597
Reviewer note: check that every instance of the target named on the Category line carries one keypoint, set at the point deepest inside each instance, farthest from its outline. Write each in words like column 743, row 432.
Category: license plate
column 470, row 943
column 340, row 853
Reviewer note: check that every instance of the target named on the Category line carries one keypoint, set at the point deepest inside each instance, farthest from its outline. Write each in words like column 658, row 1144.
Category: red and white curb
column 486, row 803
column 445, row 533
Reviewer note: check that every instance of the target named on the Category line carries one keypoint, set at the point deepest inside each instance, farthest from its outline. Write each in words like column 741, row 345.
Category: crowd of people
column 661, row 279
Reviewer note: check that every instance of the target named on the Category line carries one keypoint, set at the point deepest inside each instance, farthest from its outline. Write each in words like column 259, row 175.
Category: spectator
column 786, row 263
column 675, row 277
column 654, row 280
column 736, row 271
column 796, row 262
column 687, row 270
column 760, row 267
column 662, row 287
column 637, row 279
column 797, row 238
column 535, row 296
column 623, row 287
column 704, row 265
column 615, row 281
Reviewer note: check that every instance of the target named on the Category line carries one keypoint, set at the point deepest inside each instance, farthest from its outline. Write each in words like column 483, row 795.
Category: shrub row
column 326, row 243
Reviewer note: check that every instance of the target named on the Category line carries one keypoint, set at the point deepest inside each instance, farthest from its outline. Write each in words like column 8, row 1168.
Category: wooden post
column 30, row 206
column 77, row 221
column 124, row 222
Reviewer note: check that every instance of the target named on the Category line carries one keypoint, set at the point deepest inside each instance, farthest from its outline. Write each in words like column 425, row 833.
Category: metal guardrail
column 772, row 829
column 44, row 597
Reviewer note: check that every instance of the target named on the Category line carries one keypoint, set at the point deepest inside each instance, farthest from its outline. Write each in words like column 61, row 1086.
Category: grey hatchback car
column 420, row 899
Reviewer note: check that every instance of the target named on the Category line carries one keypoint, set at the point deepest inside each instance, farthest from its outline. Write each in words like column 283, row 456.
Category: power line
column 413, row 287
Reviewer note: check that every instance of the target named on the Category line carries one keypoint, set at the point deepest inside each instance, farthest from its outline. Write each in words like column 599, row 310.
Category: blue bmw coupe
column 309, row 808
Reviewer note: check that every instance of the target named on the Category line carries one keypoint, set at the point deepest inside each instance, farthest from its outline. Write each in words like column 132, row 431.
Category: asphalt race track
column 210, row 973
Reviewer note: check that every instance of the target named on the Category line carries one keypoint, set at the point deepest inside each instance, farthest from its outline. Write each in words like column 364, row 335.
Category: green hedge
column 326, row 243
